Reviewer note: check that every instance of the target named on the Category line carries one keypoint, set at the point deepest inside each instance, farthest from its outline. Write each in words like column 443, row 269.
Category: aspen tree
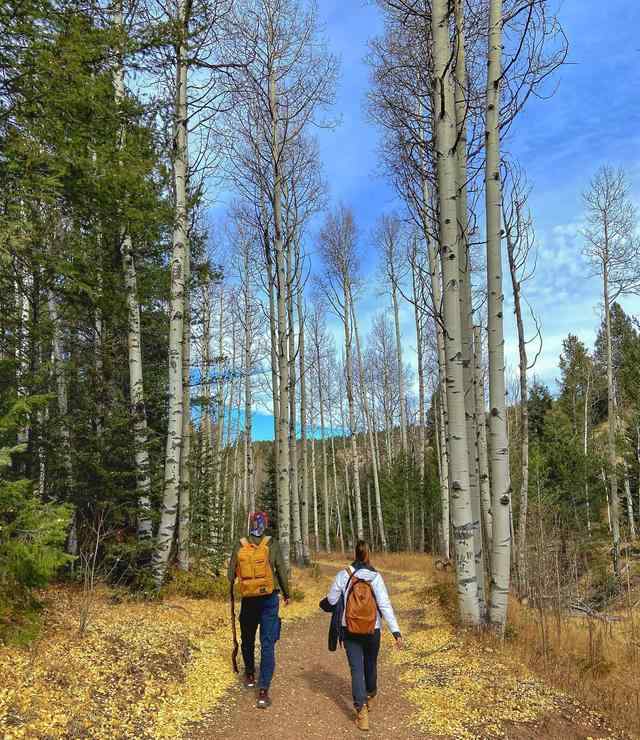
column 338, row 249
column 611, row 247
column 304, row 501
column 389, row 237
column 481, row 442
column 464, row 266
column 445, row 141
column 370, row 434
column 134, row 333
column 520, row 243
column 173, row 452
column 499, row 460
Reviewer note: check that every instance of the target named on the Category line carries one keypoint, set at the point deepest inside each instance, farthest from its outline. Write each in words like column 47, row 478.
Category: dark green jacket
column 275, row 560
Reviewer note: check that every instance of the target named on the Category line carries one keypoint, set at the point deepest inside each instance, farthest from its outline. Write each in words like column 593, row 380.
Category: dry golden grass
column 594, row 660
column 392, row 562
column 142, row 670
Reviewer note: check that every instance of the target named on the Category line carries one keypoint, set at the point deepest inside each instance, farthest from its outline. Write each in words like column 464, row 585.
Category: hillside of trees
column 143, row 330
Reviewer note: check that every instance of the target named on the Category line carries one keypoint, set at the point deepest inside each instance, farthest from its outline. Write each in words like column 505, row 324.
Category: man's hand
column 399, row 643
column 286, row 601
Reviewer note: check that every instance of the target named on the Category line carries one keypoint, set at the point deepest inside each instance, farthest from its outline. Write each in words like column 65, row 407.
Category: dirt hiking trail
column 311, row 692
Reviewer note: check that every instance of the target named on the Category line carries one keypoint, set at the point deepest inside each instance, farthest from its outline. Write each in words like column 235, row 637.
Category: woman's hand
column 399, row 643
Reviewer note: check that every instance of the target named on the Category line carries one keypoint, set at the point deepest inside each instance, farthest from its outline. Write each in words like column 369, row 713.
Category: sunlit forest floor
column 162, row 670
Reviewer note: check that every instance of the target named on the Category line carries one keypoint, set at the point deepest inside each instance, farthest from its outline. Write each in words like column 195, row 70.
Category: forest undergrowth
column 141, row 670
column 153, row 669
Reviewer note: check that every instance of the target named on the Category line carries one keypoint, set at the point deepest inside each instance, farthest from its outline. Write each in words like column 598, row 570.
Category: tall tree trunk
column 443, row 469
column 612, row 427
column 445, row 140
column 282, row 329
column 250, row 488
column 166, row 530
column 403, row 413
column 481, row 442
column 293, row 436
column 370, row 432
column 524, row 419
column 314, row 488
column 184, row 508
column 442, row 420
column 134, row 337
column 348, row 300
column 500, row 481
column 325, row 473
column 418, row 318
column 466, row 306
column 304, row 500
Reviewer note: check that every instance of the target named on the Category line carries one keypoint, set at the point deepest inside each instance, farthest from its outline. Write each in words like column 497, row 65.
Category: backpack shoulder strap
column 351, row 571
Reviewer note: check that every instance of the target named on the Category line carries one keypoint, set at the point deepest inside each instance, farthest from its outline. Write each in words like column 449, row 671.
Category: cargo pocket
column 260, row 567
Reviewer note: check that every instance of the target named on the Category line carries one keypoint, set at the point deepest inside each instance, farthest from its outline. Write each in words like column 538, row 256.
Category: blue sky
column 592, row 119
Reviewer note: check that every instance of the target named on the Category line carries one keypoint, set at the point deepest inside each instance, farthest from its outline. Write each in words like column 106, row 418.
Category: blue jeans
column 362, row 654
column 263, row 611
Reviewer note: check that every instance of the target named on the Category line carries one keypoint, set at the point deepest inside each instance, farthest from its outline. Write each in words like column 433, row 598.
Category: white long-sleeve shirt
column 379, row 590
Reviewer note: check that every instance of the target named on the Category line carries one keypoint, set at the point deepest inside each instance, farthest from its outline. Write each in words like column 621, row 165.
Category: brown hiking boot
column 362, row 718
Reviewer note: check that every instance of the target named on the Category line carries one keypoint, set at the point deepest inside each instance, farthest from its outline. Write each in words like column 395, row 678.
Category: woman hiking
column 365, row 599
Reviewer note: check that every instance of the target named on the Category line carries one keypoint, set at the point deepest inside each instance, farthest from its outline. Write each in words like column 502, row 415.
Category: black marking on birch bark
column 504, row 499
column 495, row 412
column 464, row 532
column 467, row 581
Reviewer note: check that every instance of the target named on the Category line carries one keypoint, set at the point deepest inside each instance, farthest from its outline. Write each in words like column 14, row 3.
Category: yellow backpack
column 254, row 569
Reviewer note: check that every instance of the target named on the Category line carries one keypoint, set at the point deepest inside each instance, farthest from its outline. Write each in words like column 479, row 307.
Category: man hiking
column 257, row 562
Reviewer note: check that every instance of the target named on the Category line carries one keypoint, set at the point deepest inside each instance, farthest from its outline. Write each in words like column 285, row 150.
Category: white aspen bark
column 445, row 138
column 481, row 443
column 403, row 410
column 372, row 536
column 184, row 506
column 216, row 527
column 249, row 488
column 166, row 530
column 370, row 434
column 281, row 327
column 273, row 318
column 443, row 466
column 314, row 488
column 347, row 488
column 134, row 340
column 627, row 491
column 22, row 349
column 614, row 500
column 335, row 477
column 304, row 499
column 466, row 307
column 325, row 473
column 436, row 293
column 61, row 388
column 348, row 300
column 417, row 313
column 524, row 419
column 500, row 479
column 293, row 437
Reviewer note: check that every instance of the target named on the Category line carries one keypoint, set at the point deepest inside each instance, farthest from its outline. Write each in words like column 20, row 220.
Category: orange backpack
column 361, row 609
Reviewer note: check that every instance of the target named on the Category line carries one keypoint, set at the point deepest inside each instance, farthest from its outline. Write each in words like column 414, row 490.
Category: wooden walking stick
column 234, row 653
